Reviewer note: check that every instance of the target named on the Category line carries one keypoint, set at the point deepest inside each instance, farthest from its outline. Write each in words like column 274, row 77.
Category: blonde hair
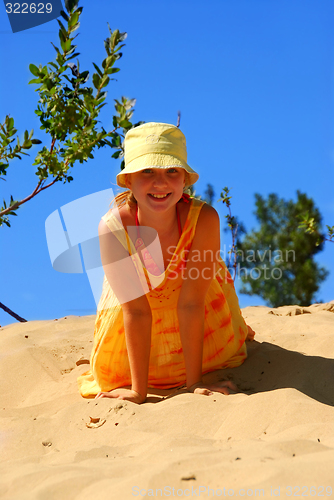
column 125, row 198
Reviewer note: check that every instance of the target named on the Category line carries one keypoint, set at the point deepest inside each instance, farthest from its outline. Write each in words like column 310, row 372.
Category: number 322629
column 24, row 8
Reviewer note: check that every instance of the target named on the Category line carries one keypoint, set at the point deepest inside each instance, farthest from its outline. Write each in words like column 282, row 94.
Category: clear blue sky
column 254, row 83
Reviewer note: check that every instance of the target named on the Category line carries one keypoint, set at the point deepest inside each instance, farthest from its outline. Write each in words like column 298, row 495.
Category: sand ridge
column 277, row 433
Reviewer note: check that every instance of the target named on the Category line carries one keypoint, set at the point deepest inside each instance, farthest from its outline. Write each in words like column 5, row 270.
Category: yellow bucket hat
column 155, row 145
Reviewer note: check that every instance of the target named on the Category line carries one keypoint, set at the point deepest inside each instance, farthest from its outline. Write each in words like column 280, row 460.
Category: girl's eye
column 147, row 171
column 172, row 170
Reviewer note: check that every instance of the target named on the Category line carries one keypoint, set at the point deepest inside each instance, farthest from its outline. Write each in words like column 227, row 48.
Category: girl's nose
column 160, row 179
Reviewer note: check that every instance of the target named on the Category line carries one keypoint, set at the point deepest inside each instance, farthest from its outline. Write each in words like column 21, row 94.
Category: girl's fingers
column 112, row 394
column 204, row 391
column 101, row 395
column 221, row 387
column 125, row 395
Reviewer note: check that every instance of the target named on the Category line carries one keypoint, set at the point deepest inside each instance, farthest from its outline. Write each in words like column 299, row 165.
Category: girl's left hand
column 123, row 394
column 208, row 389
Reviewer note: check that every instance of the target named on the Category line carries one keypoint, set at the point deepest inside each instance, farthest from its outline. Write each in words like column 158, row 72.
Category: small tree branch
column 9, row 311
column 48, row 185
column 37, row 190
column 234, row 250
column 178, row 118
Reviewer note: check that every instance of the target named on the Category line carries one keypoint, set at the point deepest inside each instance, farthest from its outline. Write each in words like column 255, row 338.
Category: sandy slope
column 275, row 437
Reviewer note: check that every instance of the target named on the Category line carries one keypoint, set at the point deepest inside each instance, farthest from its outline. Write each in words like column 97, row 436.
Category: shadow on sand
column 270, row 367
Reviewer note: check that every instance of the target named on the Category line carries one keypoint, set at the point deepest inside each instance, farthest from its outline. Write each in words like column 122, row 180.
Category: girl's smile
column 159, row 197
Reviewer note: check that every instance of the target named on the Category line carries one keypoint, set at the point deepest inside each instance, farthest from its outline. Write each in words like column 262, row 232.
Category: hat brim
column 157, row 161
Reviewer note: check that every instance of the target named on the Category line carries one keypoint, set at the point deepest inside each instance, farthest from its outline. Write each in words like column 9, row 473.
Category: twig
column 16, row 316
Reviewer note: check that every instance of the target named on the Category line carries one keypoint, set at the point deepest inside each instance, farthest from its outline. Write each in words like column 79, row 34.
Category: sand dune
column 276, row 438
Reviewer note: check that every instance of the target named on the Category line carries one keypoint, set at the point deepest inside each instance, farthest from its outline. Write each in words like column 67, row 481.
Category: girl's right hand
column 208, row 389
column 123, row 394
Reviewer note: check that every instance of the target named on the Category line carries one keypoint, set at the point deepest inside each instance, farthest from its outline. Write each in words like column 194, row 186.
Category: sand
column 275, row 438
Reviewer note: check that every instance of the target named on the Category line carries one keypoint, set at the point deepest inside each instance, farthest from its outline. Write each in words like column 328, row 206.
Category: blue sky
column 254, row 83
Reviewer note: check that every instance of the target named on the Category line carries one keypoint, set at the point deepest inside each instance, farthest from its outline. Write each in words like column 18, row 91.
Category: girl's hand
column 208, row 389
column 123, row 394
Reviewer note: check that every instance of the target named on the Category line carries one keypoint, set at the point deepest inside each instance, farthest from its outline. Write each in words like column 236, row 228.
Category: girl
column 168, row 311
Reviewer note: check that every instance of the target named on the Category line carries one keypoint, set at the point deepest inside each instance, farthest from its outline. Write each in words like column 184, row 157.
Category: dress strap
column 137, row 221
column 178, row 220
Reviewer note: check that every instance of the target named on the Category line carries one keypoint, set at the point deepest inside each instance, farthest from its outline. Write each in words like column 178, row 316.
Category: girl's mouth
column 159, row 196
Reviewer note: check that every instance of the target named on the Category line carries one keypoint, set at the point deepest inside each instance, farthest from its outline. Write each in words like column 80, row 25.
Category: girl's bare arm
column 124, row 281
column 198, row 275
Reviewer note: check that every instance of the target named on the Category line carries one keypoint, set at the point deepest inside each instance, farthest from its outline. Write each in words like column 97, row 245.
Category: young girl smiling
column 168, row 311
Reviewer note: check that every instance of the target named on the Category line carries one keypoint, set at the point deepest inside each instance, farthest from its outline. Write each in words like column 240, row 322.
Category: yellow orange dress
column 225, row 330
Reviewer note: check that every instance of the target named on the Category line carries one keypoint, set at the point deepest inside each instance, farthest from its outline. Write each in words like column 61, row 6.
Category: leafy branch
column 234, row 227
column 309, row 225
column 68, row 111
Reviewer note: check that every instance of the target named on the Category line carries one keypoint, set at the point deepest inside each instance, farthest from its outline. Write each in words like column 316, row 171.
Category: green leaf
column 105, row 81
column 10, row 123
column 74, row 28
column 62, row 38
column 125, row 124
column 84, row 76
column 74, row 55
column 116, row 154
column 63, row 30
column 36, row 141
column 53, row 65
column 74, row 19
column 67, row 45
column 98, row 69
column 96, row 80
column 110, row 31
column 109, row 61
column 71, row 4
column 122, row 37
column 110, row 71
column 72, row 49
column 64, row 15
column 56, row 48
column 130, row 103
column 35, row 80
column 34, row 70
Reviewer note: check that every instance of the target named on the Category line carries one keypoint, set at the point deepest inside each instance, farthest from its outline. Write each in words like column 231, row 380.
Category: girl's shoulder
column 127, row 215
column 208, row 218
column 117, row 217
column 205, row 211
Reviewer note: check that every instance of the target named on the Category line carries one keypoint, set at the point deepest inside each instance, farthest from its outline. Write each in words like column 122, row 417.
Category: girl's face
column 157, row 188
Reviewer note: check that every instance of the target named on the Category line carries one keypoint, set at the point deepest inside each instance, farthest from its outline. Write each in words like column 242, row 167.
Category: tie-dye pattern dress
column 225, row 330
